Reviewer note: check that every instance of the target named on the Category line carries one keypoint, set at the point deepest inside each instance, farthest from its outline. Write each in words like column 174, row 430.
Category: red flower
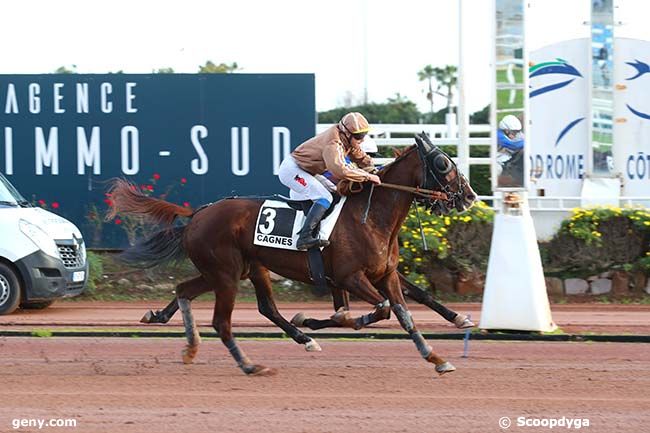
column 186, row 204
column 156, row 176
column 150, row 187
column 118, row 221
column 41, row 202
column 183, row 180
column 109, row 202
column 55, row 205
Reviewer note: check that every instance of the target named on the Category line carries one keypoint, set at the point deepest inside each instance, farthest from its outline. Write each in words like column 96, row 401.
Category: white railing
column 439, row 134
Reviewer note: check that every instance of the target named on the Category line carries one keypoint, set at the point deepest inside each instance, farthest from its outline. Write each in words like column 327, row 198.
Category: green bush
column 589, row 241
column 458, row 242
column 599, row 239
column 95, row 270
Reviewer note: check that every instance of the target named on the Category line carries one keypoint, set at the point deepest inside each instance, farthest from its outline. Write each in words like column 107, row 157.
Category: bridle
column 436, row 165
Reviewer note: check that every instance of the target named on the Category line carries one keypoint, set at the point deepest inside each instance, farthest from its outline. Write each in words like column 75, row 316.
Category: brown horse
column 362, row 258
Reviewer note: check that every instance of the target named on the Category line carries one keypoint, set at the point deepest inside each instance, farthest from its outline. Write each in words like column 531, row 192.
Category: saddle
column 277, row 226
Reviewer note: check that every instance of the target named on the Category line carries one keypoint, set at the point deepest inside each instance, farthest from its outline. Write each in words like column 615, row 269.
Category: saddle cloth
column 278, row 224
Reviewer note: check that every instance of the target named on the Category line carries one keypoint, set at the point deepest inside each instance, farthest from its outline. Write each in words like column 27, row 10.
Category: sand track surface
column 140, row 385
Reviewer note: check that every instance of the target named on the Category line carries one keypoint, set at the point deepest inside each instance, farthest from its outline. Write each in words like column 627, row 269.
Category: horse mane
column 399, row 155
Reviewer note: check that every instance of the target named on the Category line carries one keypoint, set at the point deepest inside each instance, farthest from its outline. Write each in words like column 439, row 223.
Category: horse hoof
column 312, row 346
column 189, row 353
column 445, row 367
column 299, row 320
column 260, row 370
column 148, row 317
column 462, row 322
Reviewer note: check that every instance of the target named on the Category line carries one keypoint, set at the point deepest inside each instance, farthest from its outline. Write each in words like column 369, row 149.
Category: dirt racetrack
column 118, row 385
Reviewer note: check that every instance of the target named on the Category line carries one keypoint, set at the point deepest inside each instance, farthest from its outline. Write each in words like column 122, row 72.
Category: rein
column 428, row 193
column 422, row 192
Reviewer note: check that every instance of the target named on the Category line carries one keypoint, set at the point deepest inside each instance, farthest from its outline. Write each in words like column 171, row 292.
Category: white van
column 42, row 256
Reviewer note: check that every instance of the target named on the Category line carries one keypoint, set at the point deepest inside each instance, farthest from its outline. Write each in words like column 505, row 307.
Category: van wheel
column 9, row 290
column 36, row 305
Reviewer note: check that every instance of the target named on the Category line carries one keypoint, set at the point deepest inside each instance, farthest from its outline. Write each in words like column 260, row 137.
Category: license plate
column 78, row 276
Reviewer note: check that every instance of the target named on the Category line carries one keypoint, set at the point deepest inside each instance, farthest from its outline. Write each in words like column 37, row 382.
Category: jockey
column 303, row 171
column 510, row 140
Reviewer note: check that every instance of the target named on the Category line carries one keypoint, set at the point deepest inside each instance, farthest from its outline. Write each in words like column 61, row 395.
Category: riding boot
column 306, row 239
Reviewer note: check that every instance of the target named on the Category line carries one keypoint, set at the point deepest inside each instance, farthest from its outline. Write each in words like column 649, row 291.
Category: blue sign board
column 192, row 138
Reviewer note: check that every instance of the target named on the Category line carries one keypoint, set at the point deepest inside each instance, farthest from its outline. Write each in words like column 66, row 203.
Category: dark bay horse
column 362, row 258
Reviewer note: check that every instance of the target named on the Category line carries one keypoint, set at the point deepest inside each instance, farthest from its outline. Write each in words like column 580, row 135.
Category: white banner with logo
column 632, row 115
column 559, row 112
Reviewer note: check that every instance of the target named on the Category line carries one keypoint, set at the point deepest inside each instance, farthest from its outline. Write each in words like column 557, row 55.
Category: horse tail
column 162, row 247
column 128, row 199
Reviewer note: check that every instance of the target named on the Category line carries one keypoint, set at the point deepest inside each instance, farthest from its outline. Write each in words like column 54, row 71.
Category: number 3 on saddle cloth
column 279, row 221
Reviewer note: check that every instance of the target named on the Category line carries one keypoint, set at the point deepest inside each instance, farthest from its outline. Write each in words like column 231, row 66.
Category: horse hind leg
column 187, row 291
column 191, row 333
column 161, row 316
column 165, row 315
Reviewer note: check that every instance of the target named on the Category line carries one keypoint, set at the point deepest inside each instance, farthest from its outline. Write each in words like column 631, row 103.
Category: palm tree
column 428, row 73
column 444, row 77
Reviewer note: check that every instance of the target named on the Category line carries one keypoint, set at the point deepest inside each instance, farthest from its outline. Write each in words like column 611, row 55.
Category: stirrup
column 310, row 243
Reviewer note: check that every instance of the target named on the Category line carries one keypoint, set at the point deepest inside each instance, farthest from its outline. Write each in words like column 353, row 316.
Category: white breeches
column 303, row 185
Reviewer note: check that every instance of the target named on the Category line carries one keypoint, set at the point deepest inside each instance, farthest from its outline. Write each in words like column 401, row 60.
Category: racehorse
column 512, row 174
column 362, row 258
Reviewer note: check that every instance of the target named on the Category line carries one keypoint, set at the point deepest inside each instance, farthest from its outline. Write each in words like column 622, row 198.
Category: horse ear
column 423, row 141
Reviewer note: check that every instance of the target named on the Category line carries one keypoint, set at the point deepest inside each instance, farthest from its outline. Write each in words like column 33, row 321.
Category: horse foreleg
column 222, row 323
column 341, row 301
column 422, row 297
column 266, row 305
column 341, row 317
column 391, row 287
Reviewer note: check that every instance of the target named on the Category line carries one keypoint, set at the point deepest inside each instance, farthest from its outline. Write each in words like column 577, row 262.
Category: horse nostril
column 470, row 197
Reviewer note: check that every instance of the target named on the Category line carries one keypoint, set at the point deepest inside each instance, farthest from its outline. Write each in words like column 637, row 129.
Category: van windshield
column 10, row 195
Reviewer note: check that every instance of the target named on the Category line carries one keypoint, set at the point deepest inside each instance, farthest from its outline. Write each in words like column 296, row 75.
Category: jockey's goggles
column 360, row 136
